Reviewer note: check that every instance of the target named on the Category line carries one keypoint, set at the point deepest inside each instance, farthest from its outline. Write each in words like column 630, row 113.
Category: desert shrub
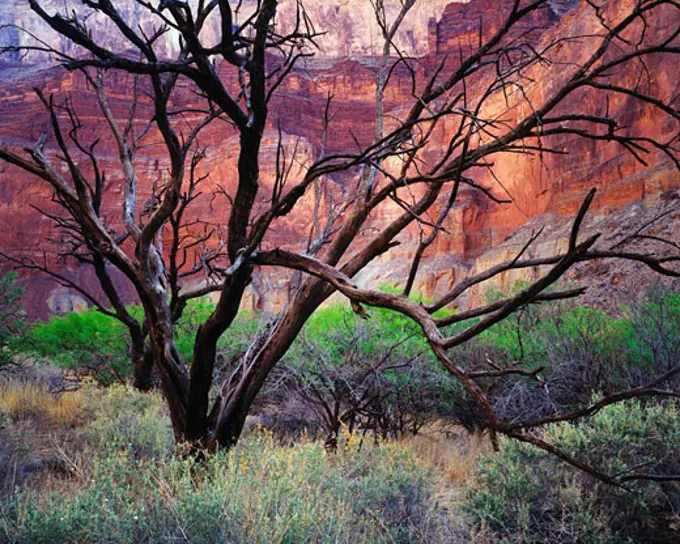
column 126, row 420
column 374, row 374
column 582, row 351
column 651, row 331
column 527, row 495
column 258, row 492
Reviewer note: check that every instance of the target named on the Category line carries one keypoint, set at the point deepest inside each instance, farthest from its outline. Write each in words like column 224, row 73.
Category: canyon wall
column 350, row 26
column 546, row 191
column 478, row 234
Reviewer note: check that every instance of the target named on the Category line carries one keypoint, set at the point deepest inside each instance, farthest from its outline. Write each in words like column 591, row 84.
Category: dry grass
column 24, row 400
column 456, row 455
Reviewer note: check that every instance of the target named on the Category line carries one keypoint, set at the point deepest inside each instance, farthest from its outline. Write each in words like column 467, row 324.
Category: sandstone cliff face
column 350, row 25
column 542, row 191
column 460, row 28
column 550, row 190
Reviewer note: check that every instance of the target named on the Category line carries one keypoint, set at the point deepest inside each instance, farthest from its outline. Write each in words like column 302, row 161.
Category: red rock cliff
column 554, row 185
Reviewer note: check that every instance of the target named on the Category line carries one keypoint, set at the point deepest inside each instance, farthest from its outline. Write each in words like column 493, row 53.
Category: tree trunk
column 198, row 422
column 172, row 371
column 229, row 414
column 142, row 359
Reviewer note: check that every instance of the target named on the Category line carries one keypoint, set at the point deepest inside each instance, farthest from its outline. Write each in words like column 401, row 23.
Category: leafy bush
column 86, row 343
column 89, row 343
column 527, row 495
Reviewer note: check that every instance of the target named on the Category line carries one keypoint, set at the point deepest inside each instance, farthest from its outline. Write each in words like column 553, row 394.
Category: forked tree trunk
column 226, row 422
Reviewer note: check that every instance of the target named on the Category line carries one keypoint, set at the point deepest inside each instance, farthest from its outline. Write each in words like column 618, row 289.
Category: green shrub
column 527, row 495
column 582, row 352
column 126, row 420
column 88, row 343
column 376, row 374
column 651, row 332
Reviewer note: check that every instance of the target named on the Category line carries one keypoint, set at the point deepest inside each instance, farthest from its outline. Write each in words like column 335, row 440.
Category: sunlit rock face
column 548, row 190
column 557, row 183
column 352, row 29
column 350, row 26
column 478, row 234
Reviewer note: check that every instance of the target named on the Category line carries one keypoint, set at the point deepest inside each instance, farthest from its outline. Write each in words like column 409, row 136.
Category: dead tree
column 402, row 166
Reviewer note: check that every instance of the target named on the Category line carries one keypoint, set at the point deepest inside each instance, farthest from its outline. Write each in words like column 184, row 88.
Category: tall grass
column 455, row 454
column 23, row 401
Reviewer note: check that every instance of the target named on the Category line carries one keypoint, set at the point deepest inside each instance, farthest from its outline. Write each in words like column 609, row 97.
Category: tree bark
column 142, row 360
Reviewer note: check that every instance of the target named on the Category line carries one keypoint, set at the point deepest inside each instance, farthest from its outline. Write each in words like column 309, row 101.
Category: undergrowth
column 129, row 485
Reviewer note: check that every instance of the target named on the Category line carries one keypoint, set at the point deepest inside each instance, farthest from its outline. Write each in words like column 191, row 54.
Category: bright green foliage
column 93, row 344
column 383, row 330
column 530, row 335
column 646, row 330
column 87, row 342
column 527, row 495
column 132, row 488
